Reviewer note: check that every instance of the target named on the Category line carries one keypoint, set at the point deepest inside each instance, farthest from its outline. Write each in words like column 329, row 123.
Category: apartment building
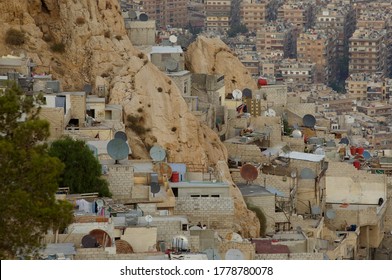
column 340, row 18
column 293, row 71
column 301, row 14
column 367, row 52
column 173, row 13
column 319, row 46
column 218, row 14
column 253, row 14
column 276, row 37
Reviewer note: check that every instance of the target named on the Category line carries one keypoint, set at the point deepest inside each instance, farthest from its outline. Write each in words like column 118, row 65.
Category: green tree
column 82, row 172
column 28, row 179
column 237, row 29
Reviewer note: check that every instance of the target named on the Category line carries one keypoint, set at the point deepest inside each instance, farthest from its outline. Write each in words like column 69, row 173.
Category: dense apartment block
column 295, row 72
column 301, row 14
column 218, row 15
column 318, row 46
column 276, row 39
column 364, row 86
column 253, row 14
column 367, row 52
column 172, row 13
column 340, row 18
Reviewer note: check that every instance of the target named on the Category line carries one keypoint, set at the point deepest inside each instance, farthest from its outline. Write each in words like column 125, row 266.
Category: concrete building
column 356, row 199
column 300, row 14
column 276, row 37
column 253, row 14
column 367, row 52
column 318, row 46
column 173, row 13
column 218, row 15
column 294, row 72
column 140, row 32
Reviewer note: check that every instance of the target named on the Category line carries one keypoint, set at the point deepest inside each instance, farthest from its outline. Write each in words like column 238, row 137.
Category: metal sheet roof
column 303, row 156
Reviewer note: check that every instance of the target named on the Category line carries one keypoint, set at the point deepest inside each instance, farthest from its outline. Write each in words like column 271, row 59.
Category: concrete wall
column 120, row 178
column 290, row 256
column 247, row 249
column 55, row 117
column 78, row 106
column 214, row 212
column 142, row 239
column 101, row 254
column 141, row 32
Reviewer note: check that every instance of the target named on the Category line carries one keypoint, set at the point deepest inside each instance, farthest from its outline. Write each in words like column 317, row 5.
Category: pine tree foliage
column 28, row 179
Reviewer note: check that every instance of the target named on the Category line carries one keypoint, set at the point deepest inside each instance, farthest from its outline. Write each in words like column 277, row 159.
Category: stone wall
column 121, row 185
column 101, row 254
column 78, row 107
column 214, row 212
column 290, row 256
column 245, row 153
column 55, row 117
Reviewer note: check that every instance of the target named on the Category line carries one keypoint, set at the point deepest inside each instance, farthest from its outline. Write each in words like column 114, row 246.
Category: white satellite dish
column 270, row 113
column 148, row 218
column 296, row 133
column 173, row 39
column 237, row 94
column 319, row 151
column 234, row 254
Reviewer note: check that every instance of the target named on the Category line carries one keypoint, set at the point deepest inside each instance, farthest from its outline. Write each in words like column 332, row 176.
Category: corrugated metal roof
column 303, row 156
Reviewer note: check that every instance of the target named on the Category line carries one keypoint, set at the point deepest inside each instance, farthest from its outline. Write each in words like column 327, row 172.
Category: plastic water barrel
column 357, row 164
column 353, row 150
column 175, row 177
column 360, row 150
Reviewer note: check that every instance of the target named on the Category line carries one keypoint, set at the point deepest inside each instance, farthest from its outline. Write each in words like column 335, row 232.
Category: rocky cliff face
column 212, row 56
column 98, row 52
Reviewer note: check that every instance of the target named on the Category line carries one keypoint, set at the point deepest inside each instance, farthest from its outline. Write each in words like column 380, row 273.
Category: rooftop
column 303, row 156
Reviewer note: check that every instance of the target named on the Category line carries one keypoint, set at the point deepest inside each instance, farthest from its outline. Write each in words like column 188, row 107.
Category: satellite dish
column 247, row 93
column 309, row 120
column 162, row 168
column 121, row 135
column 344, row 140
column 237, row 94
column 87, row 89
column 366, row 155
column 270, row 113
column 307, row 173
column 148, row 218
column 319, row 151
column 171, row 65
column 132, row 14
column 316, row 210
column 93, row 149
column 173, row 39
column 234, row 254
column 123, row 247
column 154, row 184
column 143, row 17
column 330, row 214
column 117, row 149
column 102, row 237
column 89, row 241
column 157, row 153
column 296, row 133
column 249, row 172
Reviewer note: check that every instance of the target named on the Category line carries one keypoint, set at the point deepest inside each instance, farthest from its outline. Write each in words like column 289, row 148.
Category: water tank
column 262, row 81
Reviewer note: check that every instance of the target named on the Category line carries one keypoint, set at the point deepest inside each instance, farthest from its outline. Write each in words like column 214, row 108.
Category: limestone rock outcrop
column 85, row 42
column 213, row 56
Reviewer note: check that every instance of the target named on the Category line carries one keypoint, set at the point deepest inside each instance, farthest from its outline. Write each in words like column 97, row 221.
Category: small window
column 215, row 195
column 195, row 195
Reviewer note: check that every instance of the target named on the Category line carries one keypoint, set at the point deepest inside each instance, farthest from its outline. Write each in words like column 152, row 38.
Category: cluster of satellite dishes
column 136, row 15
column 239, row 95
column 118, row 148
